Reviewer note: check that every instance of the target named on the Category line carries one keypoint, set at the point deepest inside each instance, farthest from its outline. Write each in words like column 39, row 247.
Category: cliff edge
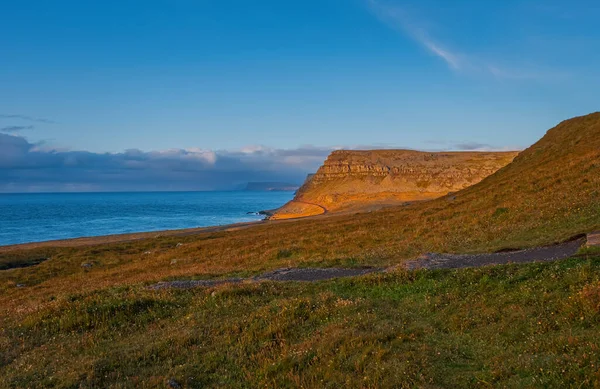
column 359, row 179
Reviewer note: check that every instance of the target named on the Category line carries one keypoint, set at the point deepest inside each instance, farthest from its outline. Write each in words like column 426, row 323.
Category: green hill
column 536, row 325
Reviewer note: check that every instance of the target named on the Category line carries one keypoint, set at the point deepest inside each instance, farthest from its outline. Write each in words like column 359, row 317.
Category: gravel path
column 593, row 239
column 456, row 261
column 426, row 261
column 289, row 274
column 314, row 274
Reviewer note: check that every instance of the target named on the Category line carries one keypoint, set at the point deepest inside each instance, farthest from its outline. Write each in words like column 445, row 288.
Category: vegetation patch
column 20, row 262
column 499, row 212
column 285, row 253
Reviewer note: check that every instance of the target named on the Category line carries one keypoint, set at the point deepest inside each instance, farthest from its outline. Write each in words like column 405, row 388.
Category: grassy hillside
column 510, row 326
column 513, row 326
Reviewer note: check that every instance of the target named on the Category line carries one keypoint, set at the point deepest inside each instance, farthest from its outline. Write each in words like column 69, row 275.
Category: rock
column 593, row 239
column 20, row 285
column 86, row 265
column 426, row 256
column 174, row 384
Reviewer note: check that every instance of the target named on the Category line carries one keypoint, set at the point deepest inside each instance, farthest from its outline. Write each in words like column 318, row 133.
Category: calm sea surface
column 39, row 217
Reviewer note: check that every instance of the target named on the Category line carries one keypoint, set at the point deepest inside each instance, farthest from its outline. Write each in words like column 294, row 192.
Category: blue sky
column 274, row 85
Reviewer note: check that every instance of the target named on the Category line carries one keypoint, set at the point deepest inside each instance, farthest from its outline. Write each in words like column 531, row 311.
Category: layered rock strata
column 352, row 179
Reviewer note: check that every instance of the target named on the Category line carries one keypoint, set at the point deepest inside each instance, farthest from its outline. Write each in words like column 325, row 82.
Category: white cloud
column 400, row 20
column 251, row 149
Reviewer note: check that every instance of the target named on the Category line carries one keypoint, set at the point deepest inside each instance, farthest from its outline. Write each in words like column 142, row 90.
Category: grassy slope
column 513, row 326
column 115, row 330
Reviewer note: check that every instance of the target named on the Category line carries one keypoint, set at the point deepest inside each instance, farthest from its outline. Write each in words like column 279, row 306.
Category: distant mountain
column 271, row 187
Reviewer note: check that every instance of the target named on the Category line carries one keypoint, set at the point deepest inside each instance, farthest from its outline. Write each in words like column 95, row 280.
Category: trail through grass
column 509, row 326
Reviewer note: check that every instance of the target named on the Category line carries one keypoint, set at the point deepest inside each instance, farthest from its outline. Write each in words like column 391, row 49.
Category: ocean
column 48, row 216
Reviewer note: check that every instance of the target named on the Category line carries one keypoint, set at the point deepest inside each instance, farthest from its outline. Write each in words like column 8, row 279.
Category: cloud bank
column 29, row 167
column 38, row 167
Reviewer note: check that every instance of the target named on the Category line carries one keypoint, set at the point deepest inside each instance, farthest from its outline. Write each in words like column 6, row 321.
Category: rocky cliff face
column 354, row 179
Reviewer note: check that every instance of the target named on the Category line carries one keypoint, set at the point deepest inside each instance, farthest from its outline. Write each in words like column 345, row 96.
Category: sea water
column 48, row 216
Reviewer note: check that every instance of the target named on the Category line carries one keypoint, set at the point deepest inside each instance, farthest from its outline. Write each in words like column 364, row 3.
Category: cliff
column 358, row 179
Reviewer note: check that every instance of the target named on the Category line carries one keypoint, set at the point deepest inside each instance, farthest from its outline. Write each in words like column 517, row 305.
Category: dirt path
column 296, row 209
column 289, row 274
column 426, row 261
column 313, row 204
column 456, row 261
column 593, row 239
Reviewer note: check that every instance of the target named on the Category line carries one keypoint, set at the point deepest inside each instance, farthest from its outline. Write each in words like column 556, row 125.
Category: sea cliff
column 353, row 179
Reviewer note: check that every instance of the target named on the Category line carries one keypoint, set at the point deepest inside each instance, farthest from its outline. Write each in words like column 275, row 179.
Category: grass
column 513, row 326
column 509, row 326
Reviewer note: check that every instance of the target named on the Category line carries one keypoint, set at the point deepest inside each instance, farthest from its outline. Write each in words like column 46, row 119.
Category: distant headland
column 271, row 187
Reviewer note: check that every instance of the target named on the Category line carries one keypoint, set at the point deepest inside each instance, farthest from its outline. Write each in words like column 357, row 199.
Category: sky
column 209, row 94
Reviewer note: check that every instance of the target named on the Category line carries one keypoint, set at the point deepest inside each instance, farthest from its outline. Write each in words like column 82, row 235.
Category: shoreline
column 128, row 237
column 136, row 236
